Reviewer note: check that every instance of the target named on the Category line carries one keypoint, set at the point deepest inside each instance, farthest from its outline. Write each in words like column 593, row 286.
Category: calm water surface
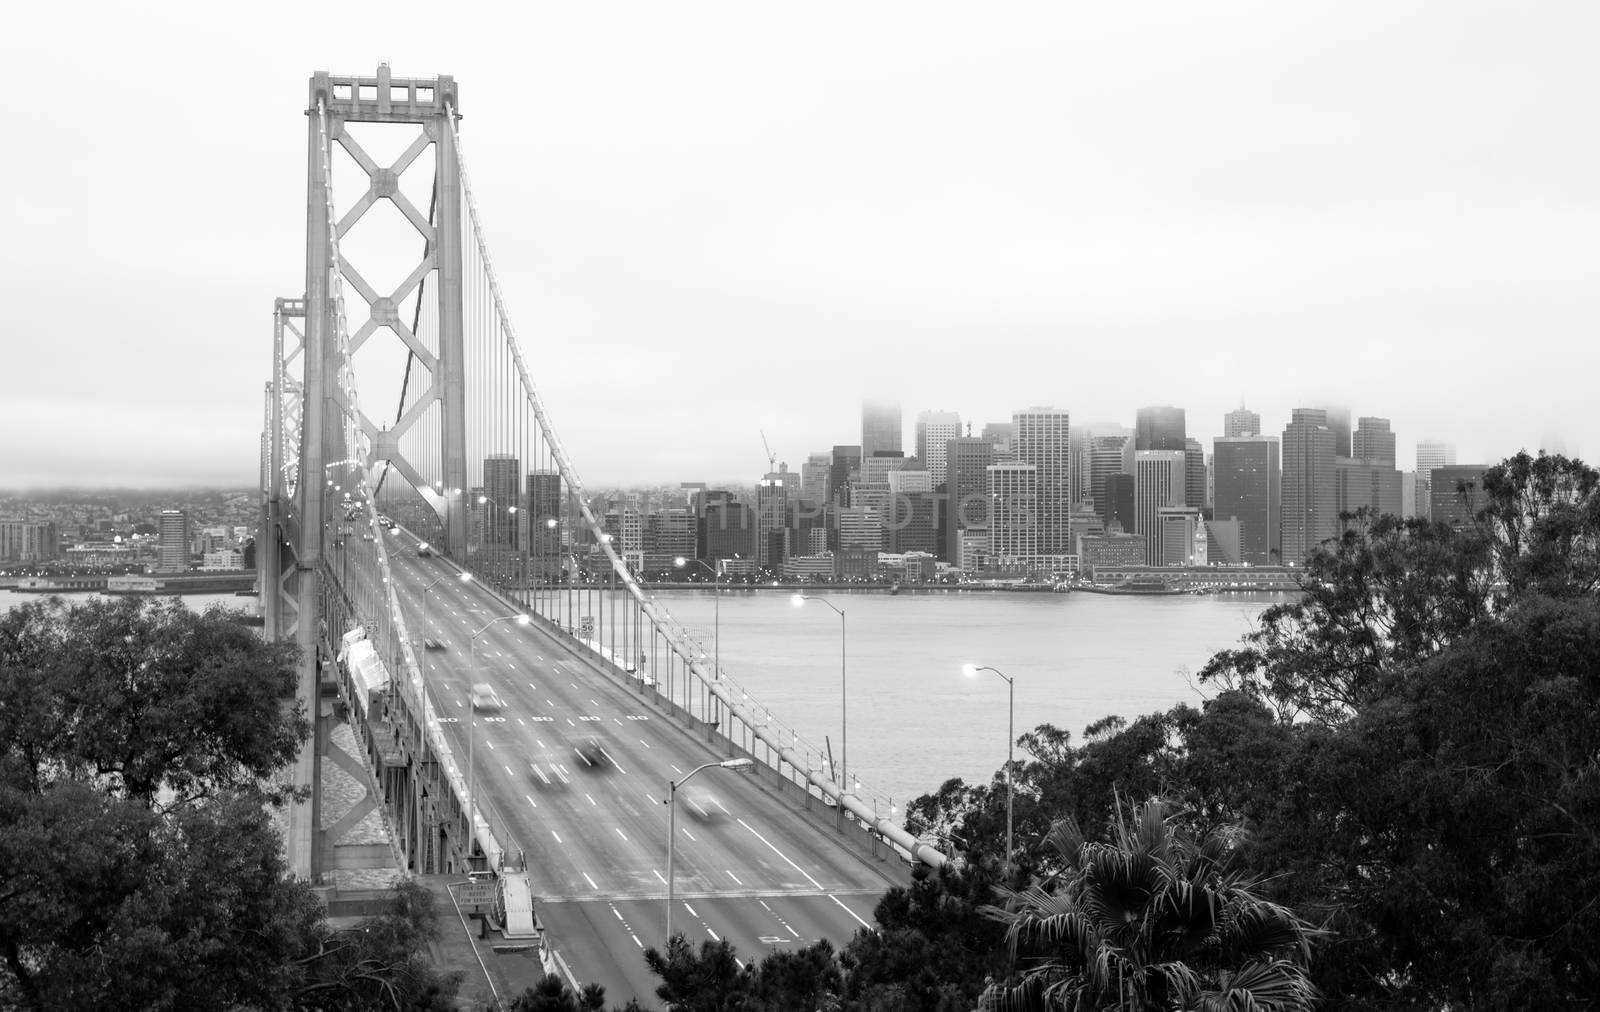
column 914, row 719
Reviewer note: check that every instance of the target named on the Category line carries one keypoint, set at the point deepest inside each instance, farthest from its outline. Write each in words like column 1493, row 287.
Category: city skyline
column 1220, row 210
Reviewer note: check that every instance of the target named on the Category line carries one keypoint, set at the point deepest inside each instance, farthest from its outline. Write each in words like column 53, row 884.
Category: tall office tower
column 1373, row 441
column 844, row 469
column 1429, row 456
column 875, row 469
column 23, row 540
column 1408, row 494
column 905, row 481
column 773, row 493
column 669, row 536
column 1248, row 484
column 1043, row 439
column 1359, row 483
column 967, row 460
column 172, row 533
column 1240, row 422
column 1181, row 540
column 1122, row 500
column 1108, row 455
column 728, row 528
column 1457, row 494
column 1309, row 513
column 1158, row 477
column 501, row 472
column 911, row 523
column 934, row 430
column 814, row 477
column 1013, row 525
column 541, row 519
column 1000, row 435
column 1159, row 427
column 880, row 428
column 860, row 527
column 1339, row 424
column 1194, row 474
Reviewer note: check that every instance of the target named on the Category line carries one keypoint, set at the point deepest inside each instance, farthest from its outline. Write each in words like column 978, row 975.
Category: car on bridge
column 424, row 550
column 484, row 698
column 702, row 804
column 591, row 750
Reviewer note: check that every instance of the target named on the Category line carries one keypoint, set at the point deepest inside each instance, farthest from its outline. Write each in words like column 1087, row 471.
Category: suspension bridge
column 520, row 701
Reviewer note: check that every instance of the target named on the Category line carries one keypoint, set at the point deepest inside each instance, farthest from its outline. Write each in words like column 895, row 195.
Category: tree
column 550, row 994
column 1153, row 920
column 704, row 981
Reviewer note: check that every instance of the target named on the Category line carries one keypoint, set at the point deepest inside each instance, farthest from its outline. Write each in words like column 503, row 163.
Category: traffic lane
column 600, row 945
column 755, row 926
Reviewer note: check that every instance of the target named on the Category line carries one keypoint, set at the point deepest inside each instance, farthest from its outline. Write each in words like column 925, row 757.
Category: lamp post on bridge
column 672, row 824
column 472, row 719
column 510, row 511
column 971, row 671
column 844, row 694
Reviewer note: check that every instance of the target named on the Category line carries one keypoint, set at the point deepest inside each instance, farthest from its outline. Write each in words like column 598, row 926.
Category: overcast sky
column 714, row 219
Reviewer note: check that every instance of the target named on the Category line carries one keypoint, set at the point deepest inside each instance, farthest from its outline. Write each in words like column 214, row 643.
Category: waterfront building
column 1043, row 438
column 1084, row 522
column 973, row 549
column 912, row 523
column 1223, row 543
column 1194, row 474
column 1180, row 536
column 860, row 527
column 1013, row 492
column 880, row 429
column 1364, row 483
column 1241, row 422
column 1431, row 455
column 809, row 568
column 669, row 535
column 222, row 559
column 967, row 487
column 1309, row 513
column 1159, row 477
column 1457, row 494
column 24, row 540
column 1159, row 427
column 173, row 531
column 1101, row 550
column 728, row 528
column 1247, row 489
column 935, row 429
column 1373, row 441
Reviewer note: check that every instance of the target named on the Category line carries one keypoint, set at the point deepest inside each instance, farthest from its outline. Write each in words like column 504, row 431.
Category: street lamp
column 672, row 823
column 472, row 720
column 716, row 612
column 971, row 671
column 799, row 600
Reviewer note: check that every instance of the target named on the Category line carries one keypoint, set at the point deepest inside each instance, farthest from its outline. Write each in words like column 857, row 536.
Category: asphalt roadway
column 575, row 769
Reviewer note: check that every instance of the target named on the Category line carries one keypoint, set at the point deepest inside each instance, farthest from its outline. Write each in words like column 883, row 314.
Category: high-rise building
column 845, row 468
column 1338, row 422
column 935, row 429
column 814, row 477
column 1431, row 455
column 1158, row 476
column 30, row 540
column 1194, row 474
column 773, row 493
column 501, row 473
column 541, row 520
column 1309, row 513
column 669, row 535
column 1241, row 422
column 912, row 523
column 1456, row 494
column 729, row 528
column 860, row 527
column 1247, row 487
column 1108, row 455
column 1000, row 435
column 1364, row 483
column 172, row 534
column 967, row 488
column 875, row 469
column 1043, row 439
column 1373, row 441
column 880, row 428
column 1013, row 525
column 1122, row 503
column 1181, row 540
column 1159, row 427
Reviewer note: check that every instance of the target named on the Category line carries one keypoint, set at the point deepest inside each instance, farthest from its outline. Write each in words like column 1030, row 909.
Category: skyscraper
column 845, row 468
column 1240, row 422
column 773, row 494
column 1373, row 441
column 967, row 479
column 1013, row 527
column 1310, row 516
column 1043, row 439
column 1338, row 422
column 172, row 534
column 1431, row 455
column 1363, row 483
column 500, row 474
column 935, row 429
column 1158, row 478
column 1194, row 474
column 814, row 478
column 1108, row 455
column 1000, row 435
column 1248, row 486
column 880, row 428
column 1122, row 503
column 1159, row 427
column 1457, row 494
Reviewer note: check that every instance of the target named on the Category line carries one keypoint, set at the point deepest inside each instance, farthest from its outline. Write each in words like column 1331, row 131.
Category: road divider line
column 597, row 888
column 621, row 834
column 556, row 835
column 658, row 875
column 531, row 801
column 847, row 910
column 796, row 867
column 736, row 879
column 592, row 802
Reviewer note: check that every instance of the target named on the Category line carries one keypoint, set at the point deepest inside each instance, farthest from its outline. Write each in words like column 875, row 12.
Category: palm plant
column 1152, row 921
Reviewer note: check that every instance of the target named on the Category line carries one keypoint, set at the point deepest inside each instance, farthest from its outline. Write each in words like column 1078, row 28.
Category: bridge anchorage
column 401, row 532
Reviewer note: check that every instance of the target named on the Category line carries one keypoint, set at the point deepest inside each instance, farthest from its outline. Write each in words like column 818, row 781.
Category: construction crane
column 772, row 458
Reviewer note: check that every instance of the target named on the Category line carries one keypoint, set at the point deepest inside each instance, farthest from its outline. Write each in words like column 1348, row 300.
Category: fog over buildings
column 719, row 221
